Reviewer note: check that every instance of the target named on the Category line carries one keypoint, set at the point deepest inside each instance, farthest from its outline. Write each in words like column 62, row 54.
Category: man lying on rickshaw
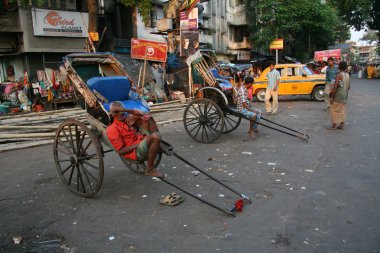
column 134, row 136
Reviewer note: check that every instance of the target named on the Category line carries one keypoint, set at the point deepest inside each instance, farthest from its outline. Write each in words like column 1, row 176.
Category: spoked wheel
column 140, row 167
column 231, row 122
column 78, row 155
column 203, row 120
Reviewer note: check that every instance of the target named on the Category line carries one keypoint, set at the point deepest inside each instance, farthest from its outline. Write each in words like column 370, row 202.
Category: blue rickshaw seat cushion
column 129, row 104
column 113, row 88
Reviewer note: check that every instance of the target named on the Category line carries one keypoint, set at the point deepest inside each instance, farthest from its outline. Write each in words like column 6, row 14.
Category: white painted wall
column 144, row 32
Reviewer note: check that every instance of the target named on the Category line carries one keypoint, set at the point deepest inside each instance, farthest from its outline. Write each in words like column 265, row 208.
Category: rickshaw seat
column 116, row 88
column 216, row 74
column 129, row 104
column 224, row 84
column 113, row 88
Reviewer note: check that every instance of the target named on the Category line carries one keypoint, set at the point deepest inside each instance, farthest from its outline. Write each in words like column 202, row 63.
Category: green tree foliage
column 370, row 36
column 144, row 7
column 360, row 13
column 306, row 26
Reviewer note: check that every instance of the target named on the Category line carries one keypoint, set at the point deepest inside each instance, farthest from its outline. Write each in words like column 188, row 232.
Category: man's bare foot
column 251, row 133
column 154, row 173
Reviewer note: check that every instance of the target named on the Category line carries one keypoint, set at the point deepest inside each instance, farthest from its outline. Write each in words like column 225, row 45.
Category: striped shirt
column 273, row 76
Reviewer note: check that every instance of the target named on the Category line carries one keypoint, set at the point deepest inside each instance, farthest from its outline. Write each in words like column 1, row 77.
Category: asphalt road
column 321, row 196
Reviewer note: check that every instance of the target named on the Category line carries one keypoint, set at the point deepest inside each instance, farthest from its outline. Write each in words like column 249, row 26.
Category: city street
column 322, row 196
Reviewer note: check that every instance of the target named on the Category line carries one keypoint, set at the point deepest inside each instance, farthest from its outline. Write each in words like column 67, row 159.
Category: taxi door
column 290, row 82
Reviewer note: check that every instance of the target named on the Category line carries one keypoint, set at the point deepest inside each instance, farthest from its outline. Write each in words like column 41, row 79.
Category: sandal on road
column 171, row 200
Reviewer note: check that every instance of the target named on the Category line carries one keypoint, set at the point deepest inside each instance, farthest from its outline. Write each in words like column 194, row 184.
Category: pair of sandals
column 171, row 200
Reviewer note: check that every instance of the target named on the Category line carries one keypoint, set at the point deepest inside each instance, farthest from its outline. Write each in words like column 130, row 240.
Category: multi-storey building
column 33, row 38
column 225, row 29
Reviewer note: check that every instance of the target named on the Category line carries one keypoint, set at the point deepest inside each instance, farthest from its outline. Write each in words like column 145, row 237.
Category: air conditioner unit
column 164, row 24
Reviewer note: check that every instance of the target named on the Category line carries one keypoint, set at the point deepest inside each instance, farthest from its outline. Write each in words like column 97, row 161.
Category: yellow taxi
column 296, row 79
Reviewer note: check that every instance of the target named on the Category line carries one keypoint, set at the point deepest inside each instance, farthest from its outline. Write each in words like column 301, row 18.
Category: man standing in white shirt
column 272, row 90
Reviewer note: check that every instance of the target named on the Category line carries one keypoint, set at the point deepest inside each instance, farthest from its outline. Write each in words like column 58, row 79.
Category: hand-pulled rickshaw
column 213, row 112
column 78, row 151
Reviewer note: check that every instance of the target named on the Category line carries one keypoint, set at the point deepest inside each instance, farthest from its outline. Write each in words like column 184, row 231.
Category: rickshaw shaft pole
column 198, row 198
column 274, row 123
column 213, row 178
column 281, row 131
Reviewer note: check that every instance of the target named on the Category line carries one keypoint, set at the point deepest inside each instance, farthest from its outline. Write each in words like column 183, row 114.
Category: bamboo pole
column 144, row 72
column 20, row 115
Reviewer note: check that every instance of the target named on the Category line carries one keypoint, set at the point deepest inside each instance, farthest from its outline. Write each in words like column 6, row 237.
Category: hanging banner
column 189, row 21
column 59, row 23
column 277, row 44
column 148, row 49
column 324, row 55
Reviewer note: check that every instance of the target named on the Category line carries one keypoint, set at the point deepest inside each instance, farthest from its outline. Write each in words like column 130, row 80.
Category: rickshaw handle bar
column 274, row 123
column 226, row 211
column 305, row 137
column 213, row 178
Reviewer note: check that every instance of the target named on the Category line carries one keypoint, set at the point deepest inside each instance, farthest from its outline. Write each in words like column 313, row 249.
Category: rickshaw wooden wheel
column 231, row 122
column 203, row 120
column 78, row 155
column 140, row 167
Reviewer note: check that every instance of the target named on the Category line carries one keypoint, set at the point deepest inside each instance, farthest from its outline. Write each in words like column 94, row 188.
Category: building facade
column 34, row 38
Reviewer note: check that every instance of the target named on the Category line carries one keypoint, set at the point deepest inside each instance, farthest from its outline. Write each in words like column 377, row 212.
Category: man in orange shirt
column 140, row 145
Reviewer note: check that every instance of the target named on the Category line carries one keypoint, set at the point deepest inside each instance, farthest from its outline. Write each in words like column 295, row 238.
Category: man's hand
column 138, row 113
column 275, row 88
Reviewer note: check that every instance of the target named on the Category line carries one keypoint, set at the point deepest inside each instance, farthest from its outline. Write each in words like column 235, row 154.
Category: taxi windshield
column 307, row 70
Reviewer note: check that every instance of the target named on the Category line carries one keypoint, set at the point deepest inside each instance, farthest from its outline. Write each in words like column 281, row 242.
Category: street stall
column 48, row 90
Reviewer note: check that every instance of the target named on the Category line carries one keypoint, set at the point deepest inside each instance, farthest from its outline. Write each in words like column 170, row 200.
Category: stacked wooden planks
column 34, row 129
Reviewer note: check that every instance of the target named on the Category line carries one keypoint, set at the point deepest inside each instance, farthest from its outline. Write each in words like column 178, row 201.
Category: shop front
column 29, row 75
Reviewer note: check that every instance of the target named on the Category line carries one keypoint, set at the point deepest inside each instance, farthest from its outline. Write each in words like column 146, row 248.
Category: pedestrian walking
column 338, row 97
column 331, row 72
column 272, row 90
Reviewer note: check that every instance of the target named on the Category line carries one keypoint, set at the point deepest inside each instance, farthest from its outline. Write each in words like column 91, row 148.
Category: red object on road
column 239, row 205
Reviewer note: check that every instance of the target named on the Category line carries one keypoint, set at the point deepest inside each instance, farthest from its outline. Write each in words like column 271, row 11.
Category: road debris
column 111, row 238
column 246, row 153
column 17, row 239
column 195, row 173
column 156, row 179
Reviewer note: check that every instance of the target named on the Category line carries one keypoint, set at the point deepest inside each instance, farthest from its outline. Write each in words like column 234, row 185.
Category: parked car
column 296, row 79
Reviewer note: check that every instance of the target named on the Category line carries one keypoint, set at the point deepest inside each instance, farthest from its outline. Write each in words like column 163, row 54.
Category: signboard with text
column 324, row 55
column 59, row 23
column 148, row 49
column 277, row 44
column 189, row 21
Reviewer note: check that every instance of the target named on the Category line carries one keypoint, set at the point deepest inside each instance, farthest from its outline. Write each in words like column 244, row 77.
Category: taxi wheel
column 260, row 95
column 318, row 93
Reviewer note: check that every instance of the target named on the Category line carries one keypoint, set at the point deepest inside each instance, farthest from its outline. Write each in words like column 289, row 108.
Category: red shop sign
column 148, row 49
